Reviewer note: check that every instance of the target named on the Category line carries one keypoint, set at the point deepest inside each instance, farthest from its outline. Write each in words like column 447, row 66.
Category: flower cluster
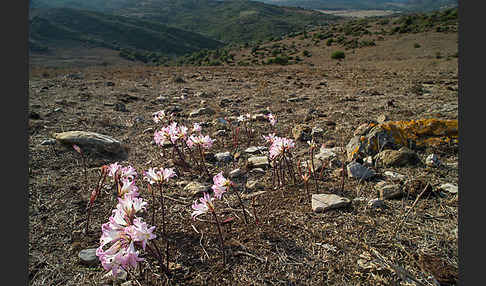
column 279, row 146
column 160, row 116
column 170, row 134
column 157, row 176
column 124, row 178
column 122, row 234
column 204, row 141
column 205, row 204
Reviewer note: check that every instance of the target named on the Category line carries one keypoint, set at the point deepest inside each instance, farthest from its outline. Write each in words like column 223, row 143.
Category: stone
column 395, row 134
column 93, row 142
column 256, row 172
column 317, row 132
column 253, row 185
column 396, row 158
column 255, row 149
column 376, row 203
column 203, row 94
column 49, row 142
column 258, row 162
column 88, row 256
column 394, row 176
column 224, row 157
column 201, row 111
column 297, row 99
column 325, row 202
column 448, row 187
column 196, row 188
column 359, row 172
column 368, row 161
column 236, row 173
column 432, row 161
column 388, row 191
column 120, row 107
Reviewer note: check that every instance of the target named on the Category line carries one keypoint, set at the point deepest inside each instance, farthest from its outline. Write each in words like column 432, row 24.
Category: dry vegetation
column 413, row 241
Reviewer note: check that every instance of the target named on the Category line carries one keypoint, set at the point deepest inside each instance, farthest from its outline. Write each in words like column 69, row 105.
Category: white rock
column 376, row 203
column 235, row 173
column 88, row 256
column 258, row 162
column 394, row 175
column 453, row 189
column 324, row 202
column 255, row 149
column 224, row 157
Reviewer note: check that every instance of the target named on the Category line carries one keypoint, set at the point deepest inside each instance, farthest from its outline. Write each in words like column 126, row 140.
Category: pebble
column 448, row 187
column 324, row 202
column 88, row 256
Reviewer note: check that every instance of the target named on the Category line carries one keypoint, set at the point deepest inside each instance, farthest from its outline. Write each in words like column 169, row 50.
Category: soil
column 412, row 241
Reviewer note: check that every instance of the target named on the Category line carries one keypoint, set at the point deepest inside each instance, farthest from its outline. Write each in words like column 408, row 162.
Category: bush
column 329, row 42
column 338, row 55
column 416, row 45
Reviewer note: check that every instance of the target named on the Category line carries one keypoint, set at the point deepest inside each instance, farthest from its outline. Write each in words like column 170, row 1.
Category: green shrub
column 329, row 42
column 416, row 45
column 338, row 55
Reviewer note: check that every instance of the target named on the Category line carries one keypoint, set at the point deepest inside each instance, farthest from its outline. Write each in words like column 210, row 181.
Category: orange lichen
column 422, row 131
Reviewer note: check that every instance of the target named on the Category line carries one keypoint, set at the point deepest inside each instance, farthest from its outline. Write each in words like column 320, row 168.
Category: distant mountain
column 399, row 5
column 226, row 20
column 65, row 26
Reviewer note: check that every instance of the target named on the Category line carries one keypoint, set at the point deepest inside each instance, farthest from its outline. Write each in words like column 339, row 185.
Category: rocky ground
column 407, row 240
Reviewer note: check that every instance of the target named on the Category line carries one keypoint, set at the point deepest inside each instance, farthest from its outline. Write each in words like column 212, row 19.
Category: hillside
column 313, row 46
column 227, row 21
column 396, row 5
column 68, row 27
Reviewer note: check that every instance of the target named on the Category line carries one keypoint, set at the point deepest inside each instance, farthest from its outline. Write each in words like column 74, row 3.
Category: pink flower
column 76, row 147
column 157, row 176
column 196, row 128
column 204, row 141
column 128, row 172
column 130, row 206
column 113, row 168
column 221, row 185
column 280, row 145
column 140, row 232
column 270, row 138
column 271, row 118
column 128, row 188
column 168, row 173
column 205, row 204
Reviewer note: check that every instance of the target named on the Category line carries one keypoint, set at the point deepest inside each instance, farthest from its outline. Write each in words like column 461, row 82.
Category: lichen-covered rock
column 93, row 143
column 396, row 134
